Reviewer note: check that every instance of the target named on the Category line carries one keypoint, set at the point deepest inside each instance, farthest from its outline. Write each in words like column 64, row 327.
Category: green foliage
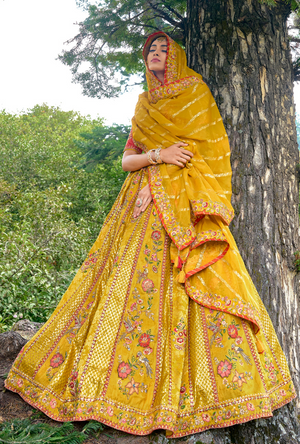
column 24, row 431
column 111, row 38
column 298, row 128
column 102, row 144
column 297, row 260
column 51, row 210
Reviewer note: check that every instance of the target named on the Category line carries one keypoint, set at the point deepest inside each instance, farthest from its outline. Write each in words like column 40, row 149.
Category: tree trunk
column 242, row 50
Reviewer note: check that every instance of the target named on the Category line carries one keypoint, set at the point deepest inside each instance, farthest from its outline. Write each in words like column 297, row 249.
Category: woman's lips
column 155, row 60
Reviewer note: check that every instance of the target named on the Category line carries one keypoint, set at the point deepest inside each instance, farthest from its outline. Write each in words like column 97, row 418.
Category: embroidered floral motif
column 73, row 383
column 144, row 340
column 133, row 386
column 172, row 89
column 55, row 361
column 239, row 379
column 270, row 369
column 212, row 208
column 124, row 370
column 90, row 262
column 223, row 303
column 217, row 324
column 209, row 235
column 179, row 335
column 224, row 369
column 244, row 409
column 183, row 397
column 148, row 286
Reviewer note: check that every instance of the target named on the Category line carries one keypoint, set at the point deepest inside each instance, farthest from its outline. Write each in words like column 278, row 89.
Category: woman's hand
column 176, row 154
column 145, row 196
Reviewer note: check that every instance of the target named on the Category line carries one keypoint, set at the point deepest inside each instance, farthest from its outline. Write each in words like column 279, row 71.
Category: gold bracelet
column 149, row 157
column 157, row 155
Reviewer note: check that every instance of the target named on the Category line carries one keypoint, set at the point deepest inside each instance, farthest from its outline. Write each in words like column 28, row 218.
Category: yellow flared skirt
column 130, row 347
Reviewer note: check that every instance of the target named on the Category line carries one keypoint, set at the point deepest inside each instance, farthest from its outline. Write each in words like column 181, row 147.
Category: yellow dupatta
column 183, row 109
column 193, row 202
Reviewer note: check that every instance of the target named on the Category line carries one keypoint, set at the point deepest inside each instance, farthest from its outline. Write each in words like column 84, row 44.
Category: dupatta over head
column 184, row 110
column 193, row 202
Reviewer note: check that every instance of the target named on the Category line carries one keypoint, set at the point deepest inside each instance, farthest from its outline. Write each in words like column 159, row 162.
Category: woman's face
column 156, row 59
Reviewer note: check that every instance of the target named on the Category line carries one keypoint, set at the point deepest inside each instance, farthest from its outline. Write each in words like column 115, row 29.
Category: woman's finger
column 187, row 152
column 187, row 156
column 146, row 204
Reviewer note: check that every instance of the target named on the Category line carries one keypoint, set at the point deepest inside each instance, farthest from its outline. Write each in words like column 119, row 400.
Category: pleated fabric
column 132, row 347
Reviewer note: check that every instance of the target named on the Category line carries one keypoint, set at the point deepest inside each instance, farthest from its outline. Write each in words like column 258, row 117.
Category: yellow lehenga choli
column 162, row 327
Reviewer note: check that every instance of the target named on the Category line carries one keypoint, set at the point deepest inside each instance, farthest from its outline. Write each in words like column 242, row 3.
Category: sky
column 32, row 34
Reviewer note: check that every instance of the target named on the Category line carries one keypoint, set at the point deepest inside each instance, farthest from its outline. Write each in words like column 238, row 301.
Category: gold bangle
column 157, row 155
column 149, row 157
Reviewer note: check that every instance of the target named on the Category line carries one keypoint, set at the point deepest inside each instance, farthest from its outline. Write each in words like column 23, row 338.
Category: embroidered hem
column 237, row 411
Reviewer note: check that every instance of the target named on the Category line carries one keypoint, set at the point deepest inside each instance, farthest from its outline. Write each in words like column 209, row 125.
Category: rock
column 11, row 343
column 26, row 328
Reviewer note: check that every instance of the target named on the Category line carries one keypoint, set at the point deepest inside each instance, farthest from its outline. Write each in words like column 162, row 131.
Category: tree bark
column 241, row 48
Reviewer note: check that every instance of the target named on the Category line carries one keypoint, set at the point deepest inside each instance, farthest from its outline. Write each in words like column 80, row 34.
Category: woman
column 162, row 327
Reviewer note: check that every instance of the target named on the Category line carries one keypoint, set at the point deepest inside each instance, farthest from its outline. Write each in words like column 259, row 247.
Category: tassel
column 181, row 277
column 259, row 346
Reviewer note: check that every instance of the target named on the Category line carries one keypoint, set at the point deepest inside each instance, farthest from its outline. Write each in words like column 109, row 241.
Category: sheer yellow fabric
column 135, row 345
column 193, row 202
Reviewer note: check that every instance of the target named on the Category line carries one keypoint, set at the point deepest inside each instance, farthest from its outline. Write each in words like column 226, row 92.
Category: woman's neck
column 160, row 75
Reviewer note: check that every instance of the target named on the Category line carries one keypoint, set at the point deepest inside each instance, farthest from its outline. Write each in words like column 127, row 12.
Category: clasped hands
column 175, row 154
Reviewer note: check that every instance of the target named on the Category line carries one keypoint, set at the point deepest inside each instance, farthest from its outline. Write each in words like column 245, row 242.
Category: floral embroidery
column 240, row 411
column 270, row 369
column 210, row 207
column 217, row 324
column 183, row 397
column 73, row 383
column 224, row 369
column 208, row 235
column 232, row 331
column 56, row 360
column 148, row 351
column 124, row 370
column 239, row 379
column 206, row 417
column 179, row 335
column 250, row 406
column 173, row 88
column 222, row 303
column 144, row 340
column 148, row 286
column 90, row 262
column 133, row 386
column 53, row 403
